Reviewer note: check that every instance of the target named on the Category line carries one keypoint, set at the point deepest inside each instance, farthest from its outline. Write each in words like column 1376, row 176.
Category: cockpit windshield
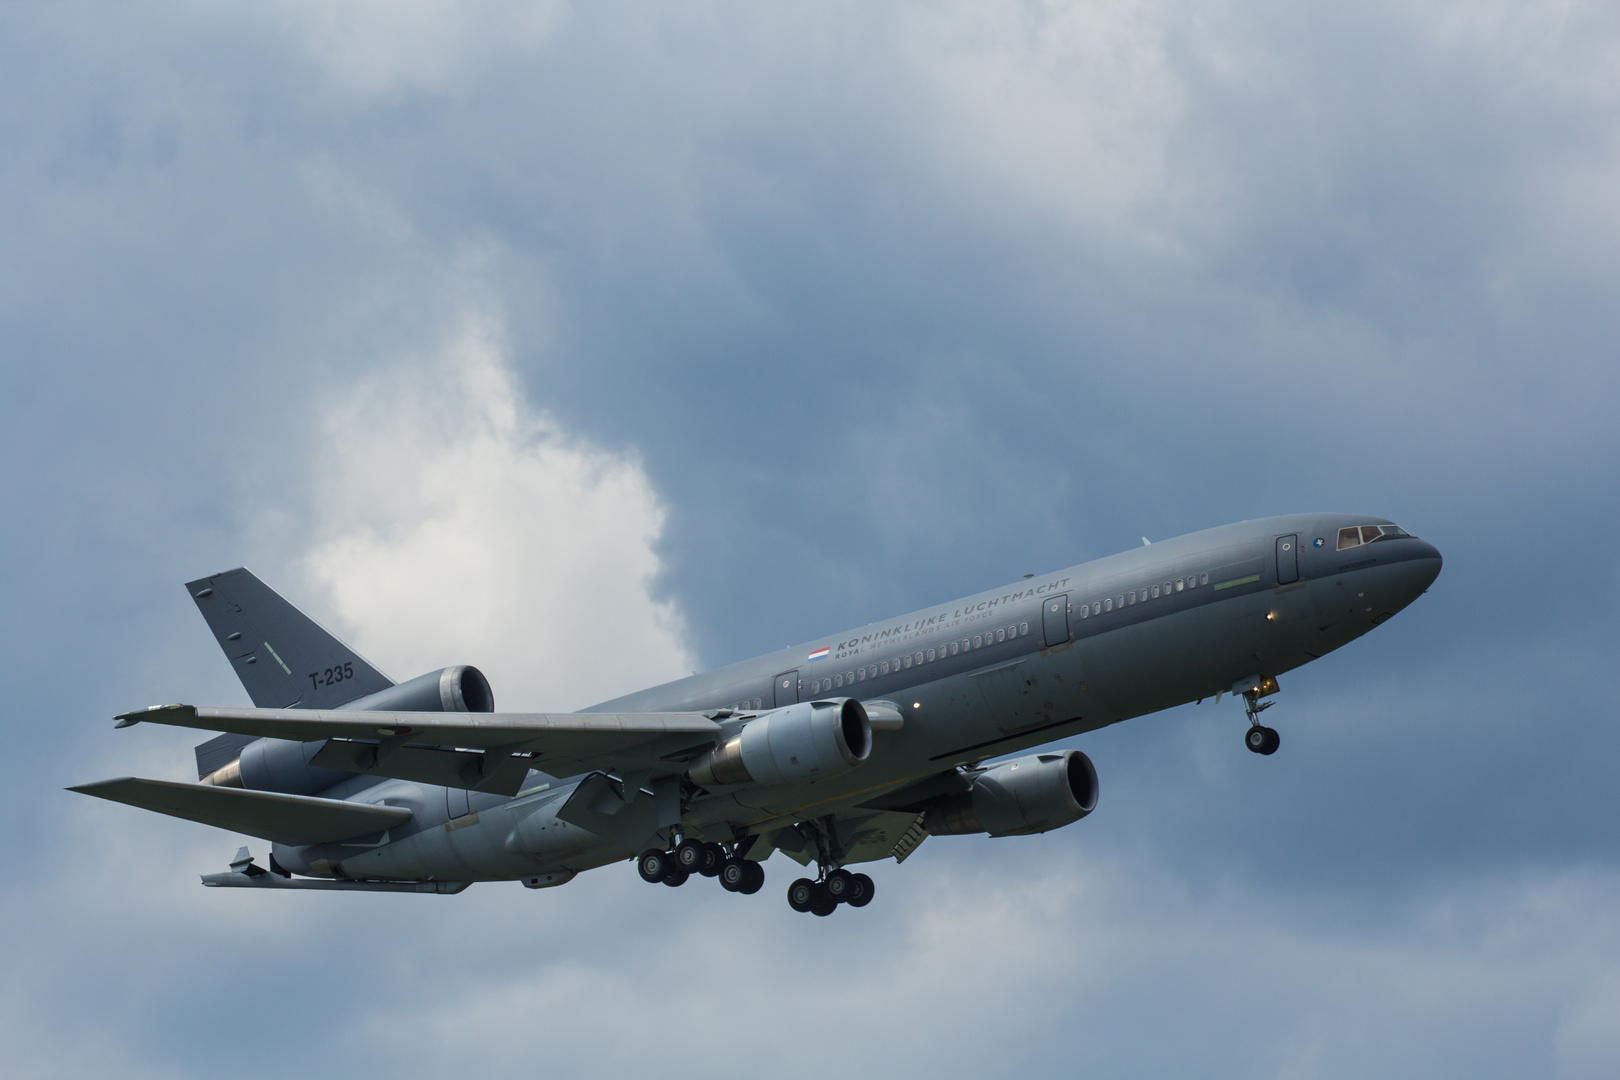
column 1356, row 535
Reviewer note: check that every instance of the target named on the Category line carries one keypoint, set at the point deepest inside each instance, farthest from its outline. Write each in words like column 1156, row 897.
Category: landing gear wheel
column 1262, row 740
column 840, row 885
column 756, row 879
column 734, row 875
column 690, row 854
column 714, row 857
column 803, row 894
column 676, row 878
column 825, row 905
column 862, row 892
column 653, row 864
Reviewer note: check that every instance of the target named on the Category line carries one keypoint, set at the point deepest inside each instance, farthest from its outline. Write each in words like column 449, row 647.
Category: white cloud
column 979, row 957
column 455, row 524
column 1063, row 112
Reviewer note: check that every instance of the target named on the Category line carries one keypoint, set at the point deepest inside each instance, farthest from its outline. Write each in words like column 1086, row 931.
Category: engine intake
column 1028, row 795
column 806, row 741
column 453, row 689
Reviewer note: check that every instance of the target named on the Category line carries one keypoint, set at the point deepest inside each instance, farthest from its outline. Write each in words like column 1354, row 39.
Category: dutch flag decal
column 821, row 653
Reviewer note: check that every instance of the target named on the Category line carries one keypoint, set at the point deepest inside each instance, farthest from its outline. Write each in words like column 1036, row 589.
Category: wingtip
column 130, row 719
column 90, row 788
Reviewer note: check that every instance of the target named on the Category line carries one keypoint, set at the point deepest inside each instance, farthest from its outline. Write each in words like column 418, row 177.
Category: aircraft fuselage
column 1006, row 670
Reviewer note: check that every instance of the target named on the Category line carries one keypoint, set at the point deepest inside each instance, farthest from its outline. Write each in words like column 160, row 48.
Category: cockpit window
column 1353, row 536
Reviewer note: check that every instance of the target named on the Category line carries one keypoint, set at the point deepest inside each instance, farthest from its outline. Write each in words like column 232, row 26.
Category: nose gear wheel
column 1259, row 738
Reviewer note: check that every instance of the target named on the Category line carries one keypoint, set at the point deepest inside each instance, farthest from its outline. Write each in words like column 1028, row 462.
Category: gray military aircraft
column 845, row 750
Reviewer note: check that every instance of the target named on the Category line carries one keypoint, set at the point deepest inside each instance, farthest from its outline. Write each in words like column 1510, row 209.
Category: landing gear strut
column 1259, row 738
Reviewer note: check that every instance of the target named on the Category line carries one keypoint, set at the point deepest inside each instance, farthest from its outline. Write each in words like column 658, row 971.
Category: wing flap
column 269, row 815
column 499, row 774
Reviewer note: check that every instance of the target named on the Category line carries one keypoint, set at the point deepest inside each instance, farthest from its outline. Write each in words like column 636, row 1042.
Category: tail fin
column 283, row 657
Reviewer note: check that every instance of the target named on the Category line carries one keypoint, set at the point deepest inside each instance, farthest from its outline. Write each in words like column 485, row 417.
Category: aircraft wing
column 269, row 815
column 482, row 751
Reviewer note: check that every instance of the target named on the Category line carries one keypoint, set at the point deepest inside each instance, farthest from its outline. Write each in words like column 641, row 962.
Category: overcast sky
column 594, row 345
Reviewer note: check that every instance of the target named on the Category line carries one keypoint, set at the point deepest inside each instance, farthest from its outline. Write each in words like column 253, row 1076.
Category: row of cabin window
column 926, row 656
column 1152, row 592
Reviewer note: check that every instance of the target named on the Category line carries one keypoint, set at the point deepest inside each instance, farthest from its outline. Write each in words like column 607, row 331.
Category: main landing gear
column 689, row 857
column 1259, row 738
column 819, row 896
column 833, row 885
column 823, row 897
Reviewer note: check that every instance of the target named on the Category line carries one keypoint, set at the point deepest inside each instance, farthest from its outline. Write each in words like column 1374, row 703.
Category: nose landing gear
column 1262, row 740
column 1259, row 738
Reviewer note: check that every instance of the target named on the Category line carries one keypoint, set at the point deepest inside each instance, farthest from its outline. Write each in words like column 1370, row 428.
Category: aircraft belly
column 1172, row 660
column 538, row 833
column 472, row 847
column 425, row 855
column 1037, row 691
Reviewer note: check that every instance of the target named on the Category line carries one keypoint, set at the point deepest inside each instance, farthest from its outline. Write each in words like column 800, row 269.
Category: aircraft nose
column 1419, row 570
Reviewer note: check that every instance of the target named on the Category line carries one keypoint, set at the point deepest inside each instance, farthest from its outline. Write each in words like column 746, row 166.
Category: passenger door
column 1287, row 559
column 786, row 688
column 1055, row 620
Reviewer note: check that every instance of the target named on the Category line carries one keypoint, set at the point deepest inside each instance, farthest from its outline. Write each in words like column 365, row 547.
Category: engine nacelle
column 280, row 765
column 1028, row 795
column 452, row 689
column 277, row 765
column 807, row 741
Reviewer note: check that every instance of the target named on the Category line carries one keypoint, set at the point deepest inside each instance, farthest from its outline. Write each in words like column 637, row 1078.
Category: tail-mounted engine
column 1028, row 795
column 452, row 689
column 806, row 741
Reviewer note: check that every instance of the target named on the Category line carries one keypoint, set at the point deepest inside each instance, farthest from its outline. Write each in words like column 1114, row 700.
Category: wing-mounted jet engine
column 1032, row 794
column 807, row 741
column 800, row 743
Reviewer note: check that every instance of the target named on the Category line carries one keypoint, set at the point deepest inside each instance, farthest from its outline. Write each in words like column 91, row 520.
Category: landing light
column 916, row 704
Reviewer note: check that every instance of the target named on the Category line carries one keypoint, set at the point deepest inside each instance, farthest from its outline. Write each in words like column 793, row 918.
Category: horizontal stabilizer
column 269, row 815
column 562, row 744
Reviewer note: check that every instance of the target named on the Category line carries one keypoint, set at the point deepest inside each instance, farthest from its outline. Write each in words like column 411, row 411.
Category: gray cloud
column 889, row 305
